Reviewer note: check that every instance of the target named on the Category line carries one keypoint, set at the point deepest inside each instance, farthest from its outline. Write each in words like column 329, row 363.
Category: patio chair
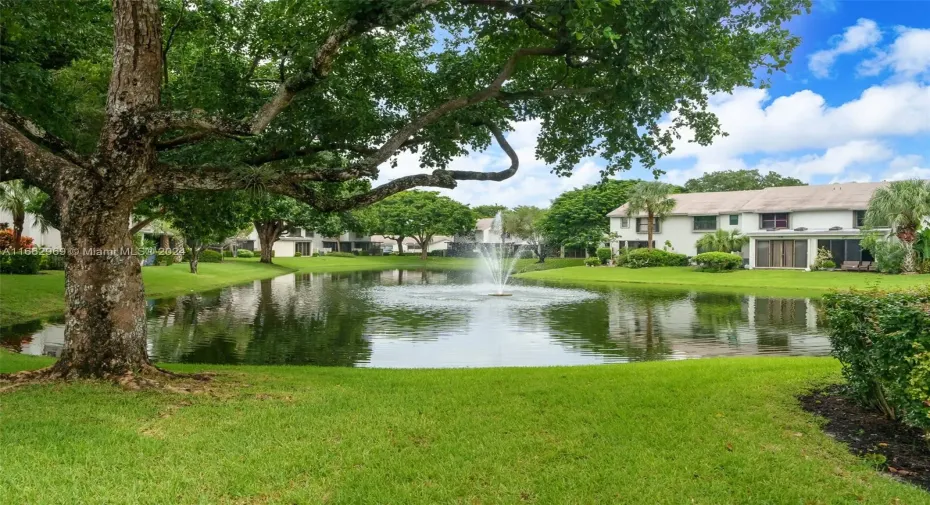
column 850, row 266
column 865, row 266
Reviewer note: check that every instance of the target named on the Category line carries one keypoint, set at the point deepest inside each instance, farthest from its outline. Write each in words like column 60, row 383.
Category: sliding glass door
column 781, row 254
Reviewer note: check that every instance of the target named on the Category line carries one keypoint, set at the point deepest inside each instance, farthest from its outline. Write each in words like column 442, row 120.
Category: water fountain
column 496, row 261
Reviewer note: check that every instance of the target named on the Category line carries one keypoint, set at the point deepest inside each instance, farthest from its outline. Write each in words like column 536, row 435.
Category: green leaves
column 579, row 217
column 738, row 180
column 421, row 214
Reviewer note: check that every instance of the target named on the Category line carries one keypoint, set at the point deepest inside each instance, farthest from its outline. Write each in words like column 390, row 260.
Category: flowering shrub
column 6, row 241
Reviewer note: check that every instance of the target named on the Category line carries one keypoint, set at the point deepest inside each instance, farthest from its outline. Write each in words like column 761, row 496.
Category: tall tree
column 485, row 211
column 579, row 217
column 205, row 218
column 738, row 180
column 421, row 215
column 527, row 222
column 272, row 215
column 651, row 198
column 902, row 207
column 19, row 199
column 275, row 95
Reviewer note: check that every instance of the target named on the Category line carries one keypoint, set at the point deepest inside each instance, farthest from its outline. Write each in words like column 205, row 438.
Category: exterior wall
column 286, row 246
column 814, row 220
column 679, row 230
column 51, row 239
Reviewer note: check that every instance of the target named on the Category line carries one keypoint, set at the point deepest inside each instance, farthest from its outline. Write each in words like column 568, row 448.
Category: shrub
column 210, row 256
column 298, row 254
column 316, row 255
column 646, row 258
column 20, row 263
column 883, row 343
column 889, row 253
column 604, row 254
column 227, row 253
column 341, row 255
column 6, row 240
column 593, row 261
column 363, row 252
column 164, row 259
column 718, row 261
column 828, row 265
column 244, row 253
column 824, row 260
column 53, row 261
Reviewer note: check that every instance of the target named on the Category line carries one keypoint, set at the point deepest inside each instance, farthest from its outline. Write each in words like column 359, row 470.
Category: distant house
column 51, row 238
column 306, row 242
column 390, row 246
column 786, row 226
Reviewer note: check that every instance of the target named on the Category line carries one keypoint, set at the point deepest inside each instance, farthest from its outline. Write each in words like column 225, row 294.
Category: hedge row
column 646, row 258
column 718, row 261
column 883, row 343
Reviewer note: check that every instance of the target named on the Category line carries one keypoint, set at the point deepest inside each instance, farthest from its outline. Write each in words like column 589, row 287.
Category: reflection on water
column 445, row 319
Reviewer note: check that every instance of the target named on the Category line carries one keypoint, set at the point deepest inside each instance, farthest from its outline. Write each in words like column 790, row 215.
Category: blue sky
column 854, row 105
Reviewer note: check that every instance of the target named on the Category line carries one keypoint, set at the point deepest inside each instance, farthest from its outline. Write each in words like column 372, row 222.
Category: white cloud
column 803, row 120
column 907, row 57
column 863, row 35
column 907, row 167
column 906, row 161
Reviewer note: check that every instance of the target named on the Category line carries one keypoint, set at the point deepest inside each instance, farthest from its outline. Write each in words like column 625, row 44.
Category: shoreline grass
column 712, row 431
column 765, row 282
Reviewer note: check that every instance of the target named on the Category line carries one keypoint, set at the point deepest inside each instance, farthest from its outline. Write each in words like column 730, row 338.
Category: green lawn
column 775, row 282
column 712, row 431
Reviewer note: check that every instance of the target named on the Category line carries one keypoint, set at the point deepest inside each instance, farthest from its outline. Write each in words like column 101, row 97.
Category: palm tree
column 17, row 199
column 902, row 207
column 652, row 199
column 723, row 241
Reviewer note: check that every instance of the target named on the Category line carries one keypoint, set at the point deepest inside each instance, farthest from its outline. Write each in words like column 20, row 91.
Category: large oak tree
column 113, row 104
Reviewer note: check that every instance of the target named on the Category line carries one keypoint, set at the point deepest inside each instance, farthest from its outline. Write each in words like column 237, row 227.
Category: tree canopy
column 420, row 215
column 485, row 211
column 106, row 104
column 738, row 180
column 528, row 223
column 578, row 217
column 204, row 218
column 652, row 198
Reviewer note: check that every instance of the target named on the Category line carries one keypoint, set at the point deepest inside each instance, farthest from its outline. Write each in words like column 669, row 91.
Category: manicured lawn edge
column 786, row 283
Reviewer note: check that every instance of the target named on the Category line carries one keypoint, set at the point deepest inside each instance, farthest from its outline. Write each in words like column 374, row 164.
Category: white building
column 786, row 226
column 389, row 245
column 307, row 242
column 51, row 238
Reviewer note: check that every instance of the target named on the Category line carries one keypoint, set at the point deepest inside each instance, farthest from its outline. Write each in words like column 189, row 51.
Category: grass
column 774, row 282
column 713, row 431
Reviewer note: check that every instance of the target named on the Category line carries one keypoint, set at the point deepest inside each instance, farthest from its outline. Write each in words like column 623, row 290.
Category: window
column 642, row 225
column 858, row 219
column 705, row 223
column 304, row 248
column 624, row 222
column 773, row 221
column 734, row 219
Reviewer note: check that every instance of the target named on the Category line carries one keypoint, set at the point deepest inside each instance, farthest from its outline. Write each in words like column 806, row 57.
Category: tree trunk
column 18, row 222
column 910, row 260
column 268, row 233
column 400, row 245
column 105, row 322
column 541, row 253
column 165, row 243
column 424, row 246
column 195, row 257
column 649, row 230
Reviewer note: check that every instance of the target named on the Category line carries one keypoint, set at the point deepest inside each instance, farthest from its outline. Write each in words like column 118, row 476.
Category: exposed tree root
column 148, row 377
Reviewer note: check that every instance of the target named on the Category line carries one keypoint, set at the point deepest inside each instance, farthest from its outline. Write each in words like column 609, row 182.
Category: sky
column 853, row 106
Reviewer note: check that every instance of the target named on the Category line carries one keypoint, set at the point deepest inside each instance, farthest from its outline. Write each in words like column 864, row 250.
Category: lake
column 436, row 319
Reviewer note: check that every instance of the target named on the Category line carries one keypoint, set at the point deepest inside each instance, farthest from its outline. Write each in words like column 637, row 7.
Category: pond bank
column 796, row 283
column 711, row 431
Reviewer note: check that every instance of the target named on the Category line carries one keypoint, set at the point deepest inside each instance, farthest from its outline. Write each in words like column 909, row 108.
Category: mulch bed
column 869, row 434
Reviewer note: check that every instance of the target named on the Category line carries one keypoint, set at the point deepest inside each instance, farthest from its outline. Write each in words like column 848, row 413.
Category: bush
column 211, row 256
column 52, row 261
column 363, row 252
column 646, row 258
column 593, row 261
column 298, row 254
column 227, row 253
column 718, row 261
column 828, row 265
column 889, row 253
column 341, row 255
column 244, row 253
column 6, row 240
column 20, row 263
column 164, row 259
column 824, row 260
column 604, row 254
column 316, row 255
column 883, row 343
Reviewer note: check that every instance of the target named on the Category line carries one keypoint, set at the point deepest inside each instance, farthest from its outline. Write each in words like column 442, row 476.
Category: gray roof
column 484, row 223
column 848, row 196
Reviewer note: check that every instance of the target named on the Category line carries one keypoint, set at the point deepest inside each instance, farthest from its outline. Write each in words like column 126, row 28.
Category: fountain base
column 500, row 294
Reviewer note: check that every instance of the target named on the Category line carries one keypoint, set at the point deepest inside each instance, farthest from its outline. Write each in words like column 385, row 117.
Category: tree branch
column 521, row 12
column 141, row 224
column 22, row 158
column 164, row 52
column 493, row 90
column 37, row 134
